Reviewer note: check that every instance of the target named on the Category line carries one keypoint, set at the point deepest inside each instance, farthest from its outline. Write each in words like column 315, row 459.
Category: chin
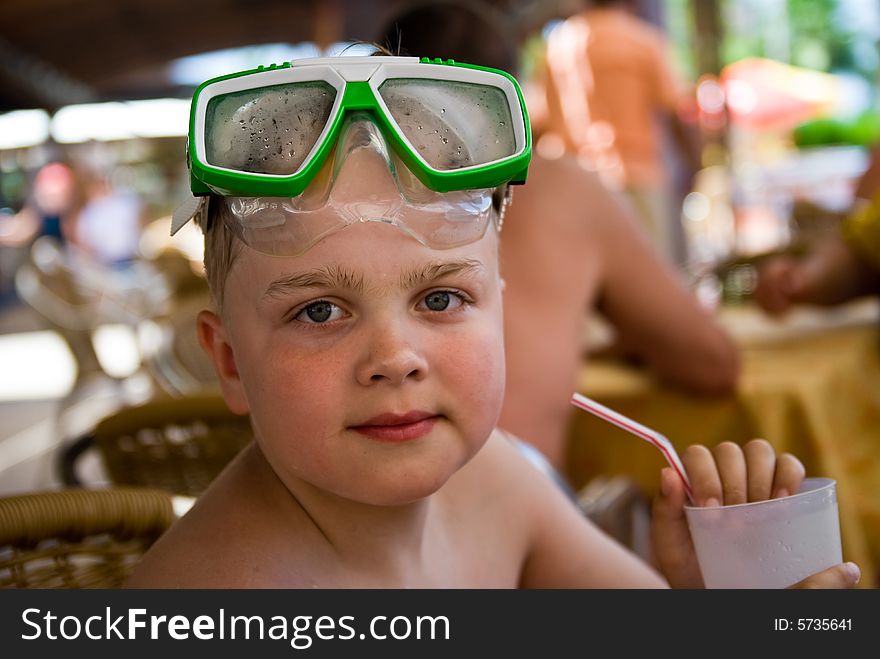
column 399, row 488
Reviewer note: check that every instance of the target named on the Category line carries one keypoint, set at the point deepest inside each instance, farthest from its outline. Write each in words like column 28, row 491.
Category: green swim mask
column 275, row 138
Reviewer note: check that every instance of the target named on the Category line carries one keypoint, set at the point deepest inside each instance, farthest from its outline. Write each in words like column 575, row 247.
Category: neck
column 390, row 543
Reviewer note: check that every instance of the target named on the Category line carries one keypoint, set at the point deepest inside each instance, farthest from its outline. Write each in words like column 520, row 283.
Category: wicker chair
column 173, row 444
column 78, row 538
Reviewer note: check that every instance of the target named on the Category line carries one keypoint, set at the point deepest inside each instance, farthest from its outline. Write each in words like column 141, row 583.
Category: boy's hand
column 726, row 475
column 846, row 575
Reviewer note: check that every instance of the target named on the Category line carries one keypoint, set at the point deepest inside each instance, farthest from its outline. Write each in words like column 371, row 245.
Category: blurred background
column 782, row 95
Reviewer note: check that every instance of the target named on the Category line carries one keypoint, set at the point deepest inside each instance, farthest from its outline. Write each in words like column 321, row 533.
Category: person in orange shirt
column 609, row 79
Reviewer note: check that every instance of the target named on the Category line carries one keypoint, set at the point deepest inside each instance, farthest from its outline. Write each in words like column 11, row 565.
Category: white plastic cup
column 768, row 544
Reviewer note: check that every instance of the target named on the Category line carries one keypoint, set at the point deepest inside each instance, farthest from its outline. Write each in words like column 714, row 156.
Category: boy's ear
column 212, row 336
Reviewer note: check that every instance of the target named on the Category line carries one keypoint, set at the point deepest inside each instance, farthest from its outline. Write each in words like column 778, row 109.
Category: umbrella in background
column 765, row 94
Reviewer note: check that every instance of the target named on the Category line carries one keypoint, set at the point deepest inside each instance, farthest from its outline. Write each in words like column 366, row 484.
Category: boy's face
column 372, row 365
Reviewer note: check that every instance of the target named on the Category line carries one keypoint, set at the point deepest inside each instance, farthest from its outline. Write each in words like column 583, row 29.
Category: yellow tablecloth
column 810, row 388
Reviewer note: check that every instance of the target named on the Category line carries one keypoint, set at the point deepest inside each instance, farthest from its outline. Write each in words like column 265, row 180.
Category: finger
column 788, row 476
column 705, row 482
column 761, row 466
column 670, row 536
column 670, row 502
column 846, row 575
column 774, row 284
column 731, row 465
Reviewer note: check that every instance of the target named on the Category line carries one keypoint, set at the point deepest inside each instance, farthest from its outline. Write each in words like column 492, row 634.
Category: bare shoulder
column 563, row 189
column 490, row 506
column 501, row 464
column 565, row 173
column 226, row 540
column 558, row 546
column 503, row 482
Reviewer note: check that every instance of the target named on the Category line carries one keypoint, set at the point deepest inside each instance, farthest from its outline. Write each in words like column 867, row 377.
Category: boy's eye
column 442, row 300
column 319, row 312
column 437, row 301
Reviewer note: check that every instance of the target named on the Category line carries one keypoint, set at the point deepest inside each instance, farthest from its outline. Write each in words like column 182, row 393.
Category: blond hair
column 221, row 248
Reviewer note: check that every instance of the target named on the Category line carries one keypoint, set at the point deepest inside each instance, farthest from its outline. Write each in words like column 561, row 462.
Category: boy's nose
column 391, row 358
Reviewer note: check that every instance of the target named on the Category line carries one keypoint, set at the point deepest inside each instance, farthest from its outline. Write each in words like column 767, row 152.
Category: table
column 809, row 385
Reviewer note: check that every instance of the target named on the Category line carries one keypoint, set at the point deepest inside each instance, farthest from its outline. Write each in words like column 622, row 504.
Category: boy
column 351, row 214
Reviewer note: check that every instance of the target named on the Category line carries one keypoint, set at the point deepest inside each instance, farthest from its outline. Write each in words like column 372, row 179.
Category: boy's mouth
column 398, row 427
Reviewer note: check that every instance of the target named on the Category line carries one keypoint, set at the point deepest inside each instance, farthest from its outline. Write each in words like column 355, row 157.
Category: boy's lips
column 398, row 427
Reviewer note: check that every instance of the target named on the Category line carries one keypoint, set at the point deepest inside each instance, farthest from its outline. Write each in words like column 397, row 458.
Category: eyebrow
column 326, row 277
column 434, row 271
column 340, row 277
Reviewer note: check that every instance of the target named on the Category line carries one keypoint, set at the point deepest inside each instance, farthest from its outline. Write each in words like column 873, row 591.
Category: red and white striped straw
column 637, row 429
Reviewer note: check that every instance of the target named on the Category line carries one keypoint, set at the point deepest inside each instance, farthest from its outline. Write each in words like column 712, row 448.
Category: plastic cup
column 768, row 544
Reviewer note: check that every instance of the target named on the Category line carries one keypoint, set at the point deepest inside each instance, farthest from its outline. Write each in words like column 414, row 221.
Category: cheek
column 473, row 366
column 291, row 390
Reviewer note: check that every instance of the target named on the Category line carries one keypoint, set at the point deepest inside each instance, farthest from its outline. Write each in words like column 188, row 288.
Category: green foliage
column 861, row 131
column 809, row 30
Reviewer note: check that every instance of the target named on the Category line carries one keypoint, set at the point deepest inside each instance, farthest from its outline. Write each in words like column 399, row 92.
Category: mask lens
column 267, row 130
column 451, row 124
